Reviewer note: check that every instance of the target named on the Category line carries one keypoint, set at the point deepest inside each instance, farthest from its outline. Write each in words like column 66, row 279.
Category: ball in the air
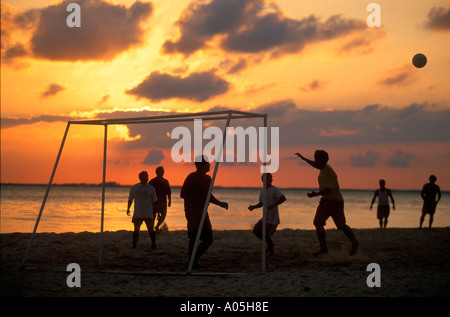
column 419, row 60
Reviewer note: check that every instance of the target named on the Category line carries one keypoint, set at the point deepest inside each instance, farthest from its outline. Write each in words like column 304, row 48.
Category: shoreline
column 412, row 262
column 144, row 230
column 115, row 184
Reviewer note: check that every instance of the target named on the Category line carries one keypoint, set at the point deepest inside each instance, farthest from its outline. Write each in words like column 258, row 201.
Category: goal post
column 227, row 115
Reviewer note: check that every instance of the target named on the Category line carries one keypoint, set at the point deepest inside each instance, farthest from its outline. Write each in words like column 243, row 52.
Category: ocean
column 77, row 208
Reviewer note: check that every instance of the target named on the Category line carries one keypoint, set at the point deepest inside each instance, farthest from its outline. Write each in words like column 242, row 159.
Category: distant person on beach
column 429, row 192
column 144, row 197
column 383, row 209
column 274, row 198
column 163, row 193
column 195, row 192
column 331, row 204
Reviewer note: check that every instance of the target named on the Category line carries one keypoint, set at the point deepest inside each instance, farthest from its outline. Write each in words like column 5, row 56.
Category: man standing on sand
column 429, row 192
column 331, row 204
column 144, row 196
column 383, row 209
column 163, row 193
column 195, row 192
column 274, row 198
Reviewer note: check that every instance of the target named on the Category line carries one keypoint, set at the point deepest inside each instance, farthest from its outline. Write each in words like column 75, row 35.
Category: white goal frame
column 182, row 117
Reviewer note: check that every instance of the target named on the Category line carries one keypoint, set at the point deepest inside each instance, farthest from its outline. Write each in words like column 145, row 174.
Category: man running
column 331, row 204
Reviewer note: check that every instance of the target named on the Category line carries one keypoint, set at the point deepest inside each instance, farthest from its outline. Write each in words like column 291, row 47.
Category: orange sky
column 324, row 77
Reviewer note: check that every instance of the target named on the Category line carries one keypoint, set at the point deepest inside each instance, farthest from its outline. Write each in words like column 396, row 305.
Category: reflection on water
column 78, row 208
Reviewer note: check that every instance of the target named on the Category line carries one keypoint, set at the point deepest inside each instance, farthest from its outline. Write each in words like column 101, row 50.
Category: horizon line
column 115, row 184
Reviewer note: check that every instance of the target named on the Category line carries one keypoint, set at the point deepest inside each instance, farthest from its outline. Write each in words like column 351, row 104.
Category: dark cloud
column 439, row 19
column 400, row 159
column 364, row 42
column 106, row 30
column 282, row 35
column 374, row 124
column 252, row 26
column 237, row 67
column 17, row 50
column 313, row 85
column 52, row 90
column 11, row 21
column 156, row 135
column 199, row 86
column 153, row 157
column 364, row 160
column 400, row 77
column 10, row 122
column 202, row 21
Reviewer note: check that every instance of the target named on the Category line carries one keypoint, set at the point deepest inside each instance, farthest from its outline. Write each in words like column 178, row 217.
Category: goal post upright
column 264, row 190
column 105, row 143
column 208, row 197
column 46, row 194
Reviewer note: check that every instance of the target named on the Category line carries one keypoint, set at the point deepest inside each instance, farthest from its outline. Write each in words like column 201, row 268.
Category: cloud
column 106, row 30
column 313, row 85
column 400, row 159
column 439, row 19
column 153, row 157
column 103, row 100
column 236, row 67
column 364, row 42
column 14, row 21
column 52, row 90
column 15, row 51
column 367, row 160
column 10, row 122
column 202, row 21
column 399, row 77
column 199, row 86
column 373, row 124
column 252, row 26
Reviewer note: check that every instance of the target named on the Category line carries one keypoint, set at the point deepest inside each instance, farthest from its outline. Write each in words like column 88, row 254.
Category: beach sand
column 413, row 263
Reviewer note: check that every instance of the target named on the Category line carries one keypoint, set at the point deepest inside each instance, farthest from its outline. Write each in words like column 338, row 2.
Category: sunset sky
column 323, row 76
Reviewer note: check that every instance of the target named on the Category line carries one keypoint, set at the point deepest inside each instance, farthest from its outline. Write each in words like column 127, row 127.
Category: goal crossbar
column 227, row 115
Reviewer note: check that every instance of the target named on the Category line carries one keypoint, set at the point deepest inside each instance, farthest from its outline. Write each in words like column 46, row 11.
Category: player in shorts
column 331, row 204
column 429, row 192
column 383, row 209
column 144, row 197
column 274, row 198
column 164, row 194
column 194, row 192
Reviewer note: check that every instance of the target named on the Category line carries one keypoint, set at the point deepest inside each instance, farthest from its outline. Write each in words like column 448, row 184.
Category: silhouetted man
column 163, row 193
column 144, row 196
column 331, row 204
column 195, row 192
column 429, row 192
column 383, row 209
column 274, row 198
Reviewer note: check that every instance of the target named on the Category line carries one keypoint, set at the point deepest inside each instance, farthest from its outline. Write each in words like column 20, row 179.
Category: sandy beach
column 413, row 263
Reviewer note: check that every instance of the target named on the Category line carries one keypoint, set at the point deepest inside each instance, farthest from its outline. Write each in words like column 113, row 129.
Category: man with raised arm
column 331, row 203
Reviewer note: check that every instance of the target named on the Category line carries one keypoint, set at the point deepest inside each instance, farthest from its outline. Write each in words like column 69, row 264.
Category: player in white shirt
column 383, row 209
column 144, row 197
column 274, row 198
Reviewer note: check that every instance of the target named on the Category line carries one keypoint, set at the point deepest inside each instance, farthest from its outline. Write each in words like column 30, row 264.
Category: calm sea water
column 78, row 208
